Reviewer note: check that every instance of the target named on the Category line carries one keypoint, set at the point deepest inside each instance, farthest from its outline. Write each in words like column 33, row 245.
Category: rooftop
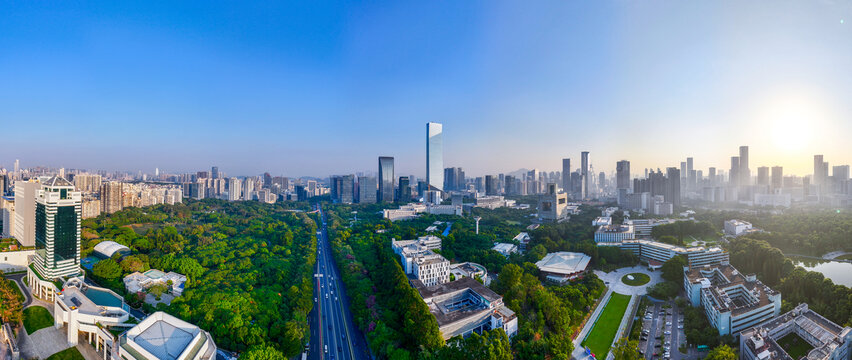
column 824, row 335
column 725, row 284
column 163, row 335
column 563, row 262
column 615, row 228
column 56, row 181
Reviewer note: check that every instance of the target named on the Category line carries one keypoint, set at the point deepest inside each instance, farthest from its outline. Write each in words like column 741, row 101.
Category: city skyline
column 289, row 88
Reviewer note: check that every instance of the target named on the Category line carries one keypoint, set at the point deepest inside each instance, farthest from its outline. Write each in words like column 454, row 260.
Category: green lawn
column 638, row 279
column 35, row 318
column 795, row 346
column 68, row 354
column 602, row 334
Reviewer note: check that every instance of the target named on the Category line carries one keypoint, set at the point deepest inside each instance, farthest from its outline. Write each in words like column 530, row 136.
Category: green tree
column 626, row 350
column 673, row 269
column 262, row 352
column 668, row 239
column 107, row 269
column 723, row 352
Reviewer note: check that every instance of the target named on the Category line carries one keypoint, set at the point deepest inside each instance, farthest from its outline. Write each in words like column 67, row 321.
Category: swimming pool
column 103, row 297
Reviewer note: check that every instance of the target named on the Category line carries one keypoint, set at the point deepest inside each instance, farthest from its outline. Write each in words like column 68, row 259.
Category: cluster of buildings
column 47, row 217
column 827, row 340
column 140, row 282
column 461, row 306
column 412, row 210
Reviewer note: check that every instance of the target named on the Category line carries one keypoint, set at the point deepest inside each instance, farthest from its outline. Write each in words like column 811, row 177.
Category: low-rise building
column 164, row 337
column 602, row 220
column 732, row 301
column 562, row 267
column 614, row 233
column 137, row 281
column 465, row 306
column 642, row 227
column 468, row 269
column 490, row 202
column 656, row 253
column 90, row 310
column 420, row 261
column 505, row 249
column 106, row 249
column 522, row 238
column 827, row 340
column 736, row 227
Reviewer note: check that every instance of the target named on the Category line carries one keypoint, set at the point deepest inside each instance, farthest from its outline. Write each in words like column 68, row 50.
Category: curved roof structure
column 109, row 248
column 563, row 263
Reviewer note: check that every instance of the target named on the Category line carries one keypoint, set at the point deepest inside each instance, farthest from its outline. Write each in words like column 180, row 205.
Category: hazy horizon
column 326, row 88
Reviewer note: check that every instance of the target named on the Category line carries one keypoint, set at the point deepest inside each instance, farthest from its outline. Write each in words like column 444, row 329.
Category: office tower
column 491, row 186
column 449, row 179
column 584, row 168
column 111, row 197
column 267, row 180
column 386, row 179
column 509, row 185
column 347, row 189
column 711, row 176
column 818, row 165
column 683, row 171
column 734, row 173
column 777, row 176
column 202, row 175
column 214, row 172
column 17, row 168
column 25, row 205
column 840, row 173
column 672, row 191
column 622, row 174
column 566, row 175
column 404, row 192
column 745, row 172
column 301, row 193
column 58, row 211
column 335, row 183
column 234, row 189
column 367, row 189
column 311, row 189
column 763, row 175
column 434, row 156
column 601, row 181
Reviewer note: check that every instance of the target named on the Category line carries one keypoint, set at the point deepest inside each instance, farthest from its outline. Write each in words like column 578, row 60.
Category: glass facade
column 386, row 179
column 41, row 230
column 435, row 156
column 65, row 233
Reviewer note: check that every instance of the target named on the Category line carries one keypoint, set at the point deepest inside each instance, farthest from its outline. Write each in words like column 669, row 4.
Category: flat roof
column 564, row 263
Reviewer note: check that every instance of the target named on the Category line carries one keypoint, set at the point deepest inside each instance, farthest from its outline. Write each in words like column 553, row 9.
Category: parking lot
column 662, row 332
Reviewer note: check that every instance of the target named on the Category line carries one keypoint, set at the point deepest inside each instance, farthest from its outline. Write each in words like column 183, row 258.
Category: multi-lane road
column 333, row 333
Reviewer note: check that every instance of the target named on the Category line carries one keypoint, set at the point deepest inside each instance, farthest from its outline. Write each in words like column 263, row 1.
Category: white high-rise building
column 435, row 155
column 58, row 211
column 25, row 204
column 248, row 188
column 234, row 189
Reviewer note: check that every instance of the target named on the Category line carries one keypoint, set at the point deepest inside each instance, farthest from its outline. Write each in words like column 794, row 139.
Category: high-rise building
column 745, row 172
column 622, row 174
column 566, row 175
column 734, row 174
column 584, row 168
column 777, row 177
column 404, row 192
column 214, row 172
column 763, row 175
column 234, row 189
column 386, row 179
column 112, row 194
column 367, row 189
column 434, row 156
column 26, row 193
column 672, row 189
column 248, row 188
column 57, row 229
column 347, row 189
column 491, row 185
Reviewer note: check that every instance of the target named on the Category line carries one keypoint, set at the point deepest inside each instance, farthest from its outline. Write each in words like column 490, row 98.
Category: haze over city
column 310, row 90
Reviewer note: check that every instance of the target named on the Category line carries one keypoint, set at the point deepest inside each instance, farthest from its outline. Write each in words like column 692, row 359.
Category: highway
column 333, row 333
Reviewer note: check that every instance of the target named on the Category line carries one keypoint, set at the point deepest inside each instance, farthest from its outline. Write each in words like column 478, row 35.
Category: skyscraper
column 366, row 190
column 672, row 188
column 711, row 175
column 214, row 172
column 777, row 177
column 820, row 170
column 26, row 193
column 622, row 174
column 57, row 229
column 584, row 168
column 745, row 172
column 111, row 197
column 566, row 175
column 434, row 156
column 735, row 171
column 491, row 185
column 386, row 179
column 763, row 175
column 404, row 192
column 234, row 189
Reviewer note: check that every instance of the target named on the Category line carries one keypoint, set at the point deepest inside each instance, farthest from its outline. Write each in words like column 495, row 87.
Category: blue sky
column 315, row 88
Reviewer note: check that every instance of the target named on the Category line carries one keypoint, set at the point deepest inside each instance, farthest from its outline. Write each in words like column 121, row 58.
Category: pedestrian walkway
column 42, row 343
column 613, row 278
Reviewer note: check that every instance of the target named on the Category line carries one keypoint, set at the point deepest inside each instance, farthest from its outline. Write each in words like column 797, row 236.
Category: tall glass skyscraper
column 435, row 156
column 386, row 179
